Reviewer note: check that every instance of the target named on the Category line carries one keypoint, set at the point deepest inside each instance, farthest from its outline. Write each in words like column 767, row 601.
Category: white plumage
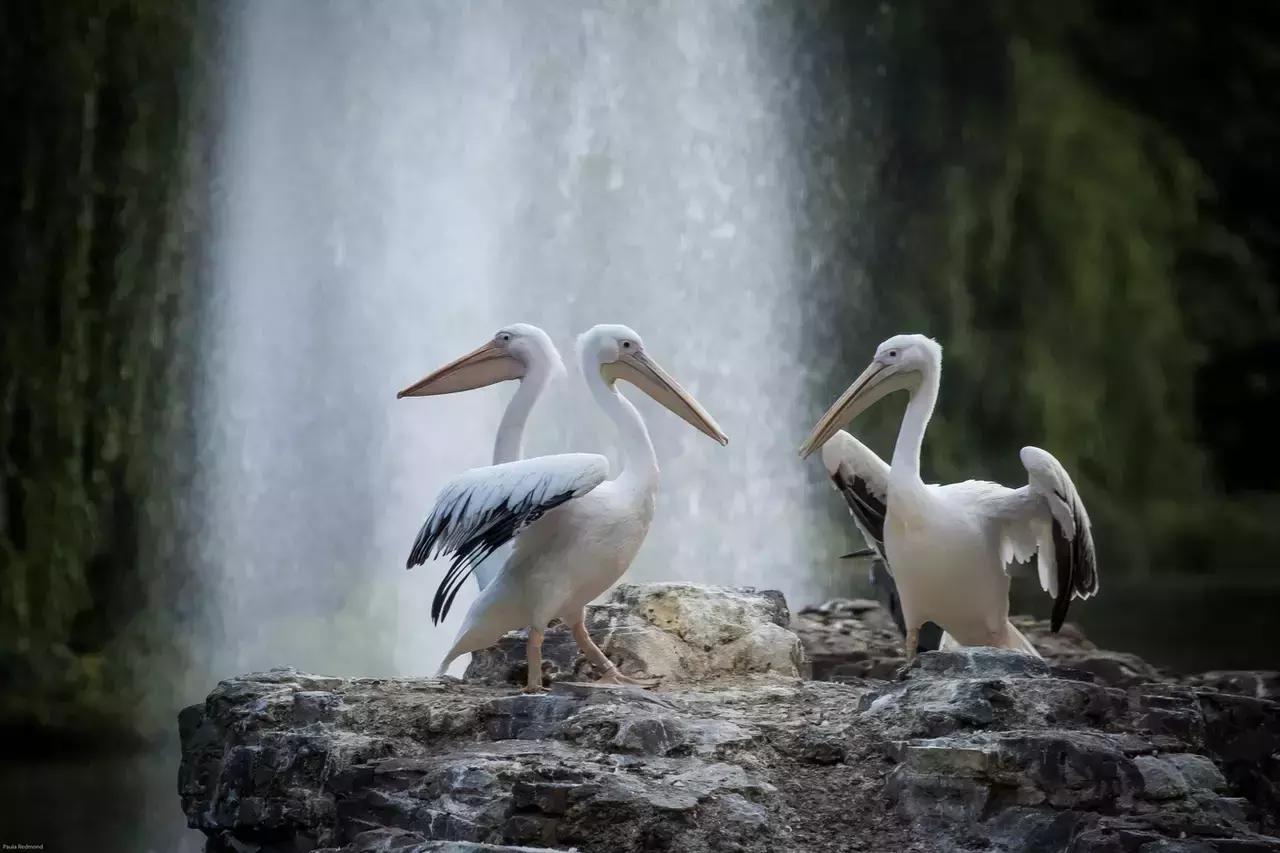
column 519, row 351
column 571, row 532
column 947, row 546
column 481, row 510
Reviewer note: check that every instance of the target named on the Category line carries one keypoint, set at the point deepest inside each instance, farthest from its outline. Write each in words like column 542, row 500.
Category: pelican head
column 901, row 364
column 619, row 354
column 514, row 352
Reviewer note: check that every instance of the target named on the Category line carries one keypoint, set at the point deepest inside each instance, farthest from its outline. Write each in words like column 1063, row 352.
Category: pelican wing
column 863, row 479
column 483, row 509
column 1052, row 516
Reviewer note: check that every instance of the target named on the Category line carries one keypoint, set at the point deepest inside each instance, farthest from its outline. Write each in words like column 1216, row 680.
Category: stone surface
column 856, row 638
column 679, row 632
column 972, row 749
column 1259, row 685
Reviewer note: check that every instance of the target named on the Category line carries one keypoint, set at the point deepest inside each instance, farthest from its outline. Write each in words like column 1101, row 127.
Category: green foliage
column 1043, row 230
column 96, row 328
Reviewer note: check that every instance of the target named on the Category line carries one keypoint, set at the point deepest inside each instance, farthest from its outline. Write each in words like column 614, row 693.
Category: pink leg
column 602, row 663
column 533, row 654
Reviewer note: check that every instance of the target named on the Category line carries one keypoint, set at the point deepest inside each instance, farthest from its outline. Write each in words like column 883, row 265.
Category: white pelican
column 573, row 532
column 518, row 351
column 947, row 546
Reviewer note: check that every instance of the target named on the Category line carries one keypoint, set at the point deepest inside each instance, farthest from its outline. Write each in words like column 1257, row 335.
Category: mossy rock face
column 95, row 353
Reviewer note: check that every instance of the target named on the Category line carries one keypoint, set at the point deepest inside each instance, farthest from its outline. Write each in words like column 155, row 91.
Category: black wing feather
column 1074, row 561
column 496, row 527
column 867, row 509
column 500, row 530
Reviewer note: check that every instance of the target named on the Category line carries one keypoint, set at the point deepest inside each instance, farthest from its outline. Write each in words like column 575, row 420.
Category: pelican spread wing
column 1066, row 562
column 482, row 509
column 863, row 479
column 1044, row 519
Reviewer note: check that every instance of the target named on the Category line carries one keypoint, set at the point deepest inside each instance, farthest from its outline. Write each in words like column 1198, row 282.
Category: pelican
column 518, row 351
column 887, row 593
column 573, row 532
column 947, row 546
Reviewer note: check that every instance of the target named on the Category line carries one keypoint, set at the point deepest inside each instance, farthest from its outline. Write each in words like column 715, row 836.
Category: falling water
column 397, row 182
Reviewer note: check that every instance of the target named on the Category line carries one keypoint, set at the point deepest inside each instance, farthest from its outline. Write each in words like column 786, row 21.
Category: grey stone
column 679, row 632
column 1161, row 779
column 467, row 847
column 976, row 749
column 1199, row 772
column 1170, row 845
column 1264, row 684
column 823, row 746
column 313, row 706
column 1029, row 829
column 976, row 662
column 1115, row 669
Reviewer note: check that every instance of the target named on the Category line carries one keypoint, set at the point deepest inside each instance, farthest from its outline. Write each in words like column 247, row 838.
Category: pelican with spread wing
column 947, row 546
column 521, row 352
column 572, row 531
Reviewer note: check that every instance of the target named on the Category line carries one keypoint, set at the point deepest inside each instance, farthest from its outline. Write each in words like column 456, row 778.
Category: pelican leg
column 601, row 662
column 913, row 642
column 533, row 654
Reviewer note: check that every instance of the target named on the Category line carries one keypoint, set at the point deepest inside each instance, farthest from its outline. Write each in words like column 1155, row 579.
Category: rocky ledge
column 976, row 749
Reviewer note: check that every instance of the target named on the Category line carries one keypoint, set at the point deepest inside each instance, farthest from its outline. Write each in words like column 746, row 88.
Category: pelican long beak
column 877, row 381
column 642, row 372
column 484, row 366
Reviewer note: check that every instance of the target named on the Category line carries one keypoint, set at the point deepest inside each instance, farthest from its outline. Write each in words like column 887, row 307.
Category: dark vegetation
column 1077, row 200
column 96, row 259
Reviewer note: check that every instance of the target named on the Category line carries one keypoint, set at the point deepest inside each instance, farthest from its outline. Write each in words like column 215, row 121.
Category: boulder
column 1263, row 684
column 679, row 632
column 969, row 749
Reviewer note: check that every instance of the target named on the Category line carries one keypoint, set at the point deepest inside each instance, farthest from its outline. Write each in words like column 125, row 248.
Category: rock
column 1200, row 773
column 679, row 632
column 1243, row 734
column 1115, row 669
column 991, row 748
column 973, row 749
column 1161, row 779
column 1258, row 685
column 982, row 661
column 400, row 841
column 850, row 640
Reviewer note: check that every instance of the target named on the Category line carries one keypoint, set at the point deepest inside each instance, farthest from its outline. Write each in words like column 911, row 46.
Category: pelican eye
column 505, row 337
column 893, row 353
column 626, row 344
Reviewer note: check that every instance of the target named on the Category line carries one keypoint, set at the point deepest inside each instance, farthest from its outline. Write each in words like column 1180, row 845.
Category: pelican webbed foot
column 529, row 688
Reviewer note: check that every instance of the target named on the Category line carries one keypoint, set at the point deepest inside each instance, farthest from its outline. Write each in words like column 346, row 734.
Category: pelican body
column 572, row 531
column 521, row 352
column 947, row 546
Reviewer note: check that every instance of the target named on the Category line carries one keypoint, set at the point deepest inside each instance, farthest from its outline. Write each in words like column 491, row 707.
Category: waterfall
column 397, row 181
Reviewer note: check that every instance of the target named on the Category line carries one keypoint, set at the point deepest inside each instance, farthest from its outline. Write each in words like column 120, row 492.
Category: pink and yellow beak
column 487, row 365
column 644, row 373
column 877, row 381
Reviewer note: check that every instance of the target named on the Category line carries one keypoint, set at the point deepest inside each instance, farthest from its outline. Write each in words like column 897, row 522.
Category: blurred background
column 232, row 230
